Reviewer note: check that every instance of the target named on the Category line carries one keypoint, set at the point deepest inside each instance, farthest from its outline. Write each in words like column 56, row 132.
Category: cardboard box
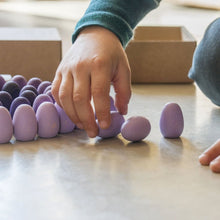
column 31, row 52
column 161, row 54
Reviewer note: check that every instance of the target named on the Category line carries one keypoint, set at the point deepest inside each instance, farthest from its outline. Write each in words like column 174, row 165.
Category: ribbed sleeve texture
column 118, row 16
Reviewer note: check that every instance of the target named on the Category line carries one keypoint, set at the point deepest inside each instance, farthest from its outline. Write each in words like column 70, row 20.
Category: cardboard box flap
column 157, row 33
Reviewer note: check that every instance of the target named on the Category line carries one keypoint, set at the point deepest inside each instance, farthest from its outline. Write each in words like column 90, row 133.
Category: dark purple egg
column 35, row 81
column 47, row 89
column 136, row 128
column 29, row 87
column 1, row 103
column 43, row 86
column 171, row 121
column 115, row 128
column 29, row 95
column 25, row 123
column 11, row 87
column 16, row 102
column 6, row 126
column 40, row 99
column 2, row 81
column 48, row 120
column 20, row 80
column 6, row 99
column 51, row 96
column 66, row 125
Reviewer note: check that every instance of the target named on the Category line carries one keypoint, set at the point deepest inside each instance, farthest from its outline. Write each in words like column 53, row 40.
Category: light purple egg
column 16, row 102
column 20, row 80
column 2, row 81
column 25, row 123
column 43, row 86
column 40, row 99
column 6, row 126
column 48, row 120
column 171, row 121
column 66, row 125
column 136, row 128
column 115, row 128
column 35, row 81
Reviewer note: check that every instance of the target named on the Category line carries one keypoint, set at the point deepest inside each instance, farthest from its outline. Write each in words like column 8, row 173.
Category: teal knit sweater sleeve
column 118, row 16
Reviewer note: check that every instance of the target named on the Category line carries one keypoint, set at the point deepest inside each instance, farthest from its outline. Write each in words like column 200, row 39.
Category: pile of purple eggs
column 27, row 109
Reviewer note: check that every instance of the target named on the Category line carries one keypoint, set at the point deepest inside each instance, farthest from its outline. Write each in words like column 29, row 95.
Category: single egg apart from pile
column 136, row 128
column 171, row 121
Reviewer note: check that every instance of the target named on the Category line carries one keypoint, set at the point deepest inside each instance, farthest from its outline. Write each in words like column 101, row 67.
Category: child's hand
column 94, row 61
column 212, row 157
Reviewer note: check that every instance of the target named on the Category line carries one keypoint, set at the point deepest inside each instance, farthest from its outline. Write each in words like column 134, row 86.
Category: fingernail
column 204, row 159
column 91, row 134
column 79, row 125
column 124, row 111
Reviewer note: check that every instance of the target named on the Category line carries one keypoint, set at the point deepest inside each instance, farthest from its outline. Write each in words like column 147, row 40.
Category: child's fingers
column 100, row 87
column 210, row 154
column 215, row 165
column 81, row 99
column 55, row 88
column 122, row 86
column 65, row 97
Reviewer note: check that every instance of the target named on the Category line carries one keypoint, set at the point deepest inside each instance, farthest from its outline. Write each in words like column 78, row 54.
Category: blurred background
column 195, row 15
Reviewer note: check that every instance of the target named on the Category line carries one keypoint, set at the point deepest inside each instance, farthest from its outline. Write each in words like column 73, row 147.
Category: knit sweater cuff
column 107, row 20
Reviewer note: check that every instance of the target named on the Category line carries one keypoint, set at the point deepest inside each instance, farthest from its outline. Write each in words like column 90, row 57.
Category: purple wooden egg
column 2, row 82
column 40, row 99
column 115, row 128
column 48, row 120
column 16, row 102
column 20, row 80
column 43, row 86
column 29, row 87
column 6, row 99
column 35, row 81
column 30, row 95
column 6, row 126
column 11, row 87
column 66, row 125
column 171, row 121
column 48, row 88
column 136, row 128
column 25, row 123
